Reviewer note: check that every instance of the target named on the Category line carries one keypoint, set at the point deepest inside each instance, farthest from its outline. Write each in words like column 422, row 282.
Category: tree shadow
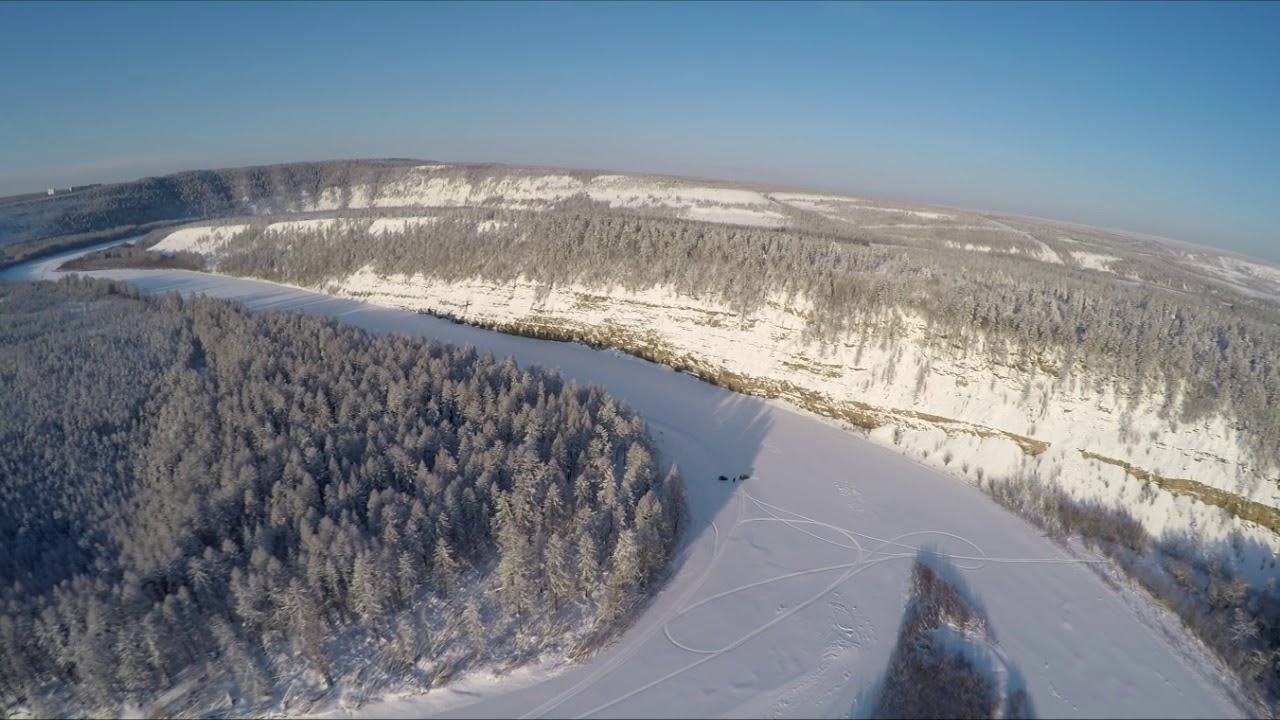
column 947, row 662
column 1225, row 593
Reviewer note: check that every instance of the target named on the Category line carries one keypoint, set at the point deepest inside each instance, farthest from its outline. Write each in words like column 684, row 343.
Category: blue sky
column 1159, row 118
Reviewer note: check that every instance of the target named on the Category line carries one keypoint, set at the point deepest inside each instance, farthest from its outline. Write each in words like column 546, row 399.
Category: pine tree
column 444, row 568
column 588, row 569
column 558, row 565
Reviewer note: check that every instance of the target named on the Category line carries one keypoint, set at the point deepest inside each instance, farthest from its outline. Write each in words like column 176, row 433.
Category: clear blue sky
column 1161, row 118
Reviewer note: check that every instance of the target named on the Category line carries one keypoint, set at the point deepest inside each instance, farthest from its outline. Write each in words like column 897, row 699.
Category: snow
column 399, row 224
column 927, row 226
column 634, row 192
column 812, row 198
column 1251, row 278
column 203, row 240
column 488, row 226
column 769, row 345
column 207, row 240
column 917, row 213
column 422, row 186
column 1039, row 250
column 330, row 199
column 425, row 186
column 847, row 209
column 737, row 216
column 970, row 247
column 985, row 401
column 1044, row 252
column 1252, row 269
column 302, row 225
column 835, row 205
column 1094, row 261
column 786, row 599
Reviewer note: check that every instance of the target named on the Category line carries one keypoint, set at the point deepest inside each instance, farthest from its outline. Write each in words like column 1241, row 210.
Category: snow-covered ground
column 202, row 240
column 880, row 215
column 1044, row 253
column 399, row 224
column 1249, row 277
column 905, row 380
column 485, row 226
column 435, row 186
column 786, row 599
column 736, row 216
column 970, row 247
column 1093, row 261
column 312, row 225
column 1071, row 416
column 835, row 204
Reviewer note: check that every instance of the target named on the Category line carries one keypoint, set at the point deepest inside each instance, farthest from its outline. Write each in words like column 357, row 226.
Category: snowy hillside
column 451, row 186
column 1012, row 354
column 949, row 406
column 971, row 420
column 787, row 599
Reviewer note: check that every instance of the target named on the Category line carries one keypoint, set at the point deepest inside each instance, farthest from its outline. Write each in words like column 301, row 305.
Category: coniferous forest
column 195, row 498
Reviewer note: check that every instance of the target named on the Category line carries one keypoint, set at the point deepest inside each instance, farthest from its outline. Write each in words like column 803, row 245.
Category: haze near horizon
column 1143, row 117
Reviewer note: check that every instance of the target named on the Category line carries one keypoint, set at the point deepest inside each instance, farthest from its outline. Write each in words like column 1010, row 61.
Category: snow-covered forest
column 1113, row 388
column 1199, row 354
column 195, row 499
column 1165, row 338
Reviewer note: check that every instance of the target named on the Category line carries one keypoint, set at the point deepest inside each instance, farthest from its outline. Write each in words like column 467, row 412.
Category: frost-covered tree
column 189, row 488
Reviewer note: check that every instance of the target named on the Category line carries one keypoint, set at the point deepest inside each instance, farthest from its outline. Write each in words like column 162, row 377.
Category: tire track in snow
column 623, row 657
column 851, row 569
column 1047, row 254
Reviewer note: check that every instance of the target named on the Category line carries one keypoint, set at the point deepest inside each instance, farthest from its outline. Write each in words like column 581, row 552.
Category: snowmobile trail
column 863, row 561
column 624, row 657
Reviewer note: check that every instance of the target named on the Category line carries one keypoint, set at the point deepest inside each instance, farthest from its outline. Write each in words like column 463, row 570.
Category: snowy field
column 787, row 597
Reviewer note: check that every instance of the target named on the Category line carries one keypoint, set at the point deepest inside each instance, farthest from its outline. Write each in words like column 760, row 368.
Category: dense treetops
column 187, row 488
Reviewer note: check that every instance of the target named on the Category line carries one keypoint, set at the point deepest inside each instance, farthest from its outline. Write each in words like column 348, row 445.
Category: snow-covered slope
column 201, row 239
column 954, row 411
column 1247, row 276
column 1094, row 261
column 951, row 410
column 786, row 600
